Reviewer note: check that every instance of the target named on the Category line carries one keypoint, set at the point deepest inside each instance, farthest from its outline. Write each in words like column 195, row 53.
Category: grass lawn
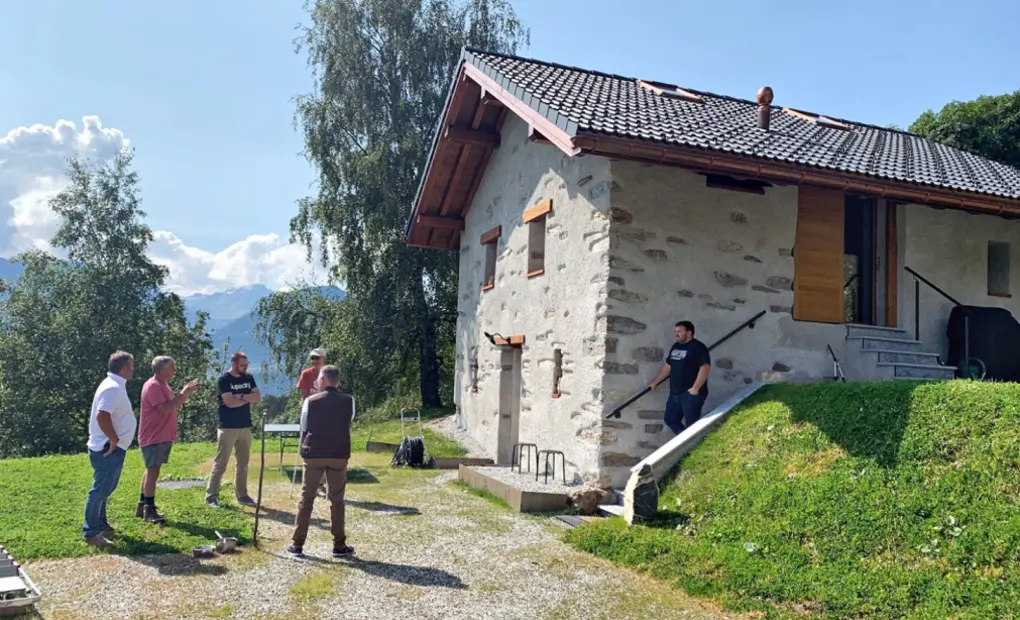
column 42, row 500
column 882, row 500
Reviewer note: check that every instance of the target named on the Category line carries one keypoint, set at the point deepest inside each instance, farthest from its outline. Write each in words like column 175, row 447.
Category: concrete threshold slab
column 519, row 499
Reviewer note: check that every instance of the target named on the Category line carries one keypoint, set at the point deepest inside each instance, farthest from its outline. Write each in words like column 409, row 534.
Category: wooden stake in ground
column 258, row 502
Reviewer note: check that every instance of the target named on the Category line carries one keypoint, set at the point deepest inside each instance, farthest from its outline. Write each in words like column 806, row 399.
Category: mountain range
column 231, row 320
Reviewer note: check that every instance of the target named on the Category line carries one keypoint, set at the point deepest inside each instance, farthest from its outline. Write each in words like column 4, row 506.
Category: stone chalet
column 593, row 211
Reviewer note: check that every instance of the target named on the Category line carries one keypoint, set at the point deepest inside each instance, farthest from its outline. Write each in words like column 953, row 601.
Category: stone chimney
column 764, row 107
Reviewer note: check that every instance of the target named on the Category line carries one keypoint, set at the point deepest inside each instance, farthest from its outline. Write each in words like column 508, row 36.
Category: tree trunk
column 428, row 359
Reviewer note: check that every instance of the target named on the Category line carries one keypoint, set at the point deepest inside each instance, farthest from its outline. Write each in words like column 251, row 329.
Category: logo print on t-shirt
column 240, row 386
column 678, row 354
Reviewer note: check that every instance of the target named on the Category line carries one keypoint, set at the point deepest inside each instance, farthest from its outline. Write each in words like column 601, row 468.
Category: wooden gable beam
column 446, row 223
column 461, row 135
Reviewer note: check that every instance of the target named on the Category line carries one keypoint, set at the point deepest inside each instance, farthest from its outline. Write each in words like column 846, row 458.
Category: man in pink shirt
column 157, row 430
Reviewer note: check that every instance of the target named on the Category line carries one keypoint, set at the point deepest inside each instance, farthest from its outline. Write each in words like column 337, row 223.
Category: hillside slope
column 867, row 500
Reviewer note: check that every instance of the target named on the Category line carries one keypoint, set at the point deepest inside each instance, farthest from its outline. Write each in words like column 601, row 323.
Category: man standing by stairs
column 686, row 367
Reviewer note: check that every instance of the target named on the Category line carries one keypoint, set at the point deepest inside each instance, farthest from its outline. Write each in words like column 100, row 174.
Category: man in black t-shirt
column 687, row 367
column 237, row 391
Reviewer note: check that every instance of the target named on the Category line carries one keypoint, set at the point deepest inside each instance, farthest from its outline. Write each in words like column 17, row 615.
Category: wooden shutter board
column 818, row 259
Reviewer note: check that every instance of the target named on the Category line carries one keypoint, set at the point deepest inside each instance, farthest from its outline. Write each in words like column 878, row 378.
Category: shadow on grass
column 864, row 421
column 423, row 576
column 290, row 518
column 207, row 533
column 167, row 560
column 381, row 507
column 355, row 475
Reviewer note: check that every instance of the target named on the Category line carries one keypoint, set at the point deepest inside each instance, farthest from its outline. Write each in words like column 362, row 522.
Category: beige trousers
column 238, row 440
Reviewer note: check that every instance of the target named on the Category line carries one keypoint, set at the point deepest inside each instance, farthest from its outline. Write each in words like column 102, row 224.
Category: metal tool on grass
column 837, row 369
column 225, row 544
column 258, row 501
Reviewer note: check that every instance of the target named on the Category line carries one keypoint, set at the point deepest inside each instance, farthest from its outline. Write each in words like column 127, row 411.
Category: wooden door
column 818, row 256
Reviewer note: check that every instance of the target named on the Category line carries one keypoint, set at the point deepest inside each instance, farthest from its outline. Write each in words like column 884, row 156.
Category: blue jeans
column 683, row 410
column 105, row 478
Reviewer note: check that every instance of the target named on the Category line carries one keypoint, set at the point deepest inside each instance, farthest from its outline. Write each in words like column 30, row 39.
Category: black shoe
column 213, row 501
column 152, row 515
column 246, row 501
column 295, row 551
column 342, row 552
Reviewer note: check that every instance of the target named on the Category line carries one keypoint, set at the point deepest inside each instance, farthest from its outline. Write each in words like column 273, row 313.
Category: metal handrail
column 748, row 324
column 918, row 278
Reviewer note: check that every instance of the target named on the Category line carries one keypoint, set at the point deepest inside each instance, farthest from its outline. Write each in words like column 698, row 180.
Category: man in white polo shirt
column 112, row 426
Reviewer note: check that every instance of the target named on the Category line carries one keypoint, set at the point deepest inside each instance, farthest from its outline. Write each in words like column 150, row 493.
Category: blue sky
column 203, row 91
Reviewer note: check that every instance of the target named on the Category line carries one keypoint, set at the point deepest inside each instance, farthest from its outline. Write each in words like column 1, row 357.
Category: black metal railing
column 918, row 279
column 748, row 324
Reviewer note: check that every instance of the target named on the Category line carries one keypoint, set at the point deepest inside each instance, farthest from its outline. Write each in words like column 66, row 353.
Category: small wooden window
column 998, row 269
column 535, row 219
column 817, row 119
column 490, row 240
column 557, row 372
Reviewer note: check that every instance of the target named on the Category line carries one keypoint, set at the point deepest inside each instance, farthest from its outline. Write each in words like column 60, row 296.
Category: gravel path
column 525, row 481
column 425, row 549
column 448, row 426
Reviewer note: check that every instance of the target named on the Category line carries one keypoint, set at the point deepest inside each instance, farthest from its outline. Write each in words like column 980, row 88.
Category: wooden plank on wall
column 818, row 256
column 537, row 211
column 892, row 266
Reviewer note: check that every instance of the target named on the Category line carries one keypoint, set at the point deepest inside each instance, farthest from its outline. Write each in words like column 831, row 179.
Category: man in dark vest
column 325, row 447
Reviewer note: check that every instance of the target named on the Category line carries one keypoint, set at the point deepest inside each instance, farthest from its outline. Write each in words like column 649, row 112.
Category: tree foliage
column 987, row 126
column 64, row 317
column 382, row 70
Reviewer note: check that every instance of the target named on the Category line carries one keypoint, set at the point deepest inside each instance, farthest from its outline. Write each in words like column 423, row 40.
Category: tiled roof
column 579, row 100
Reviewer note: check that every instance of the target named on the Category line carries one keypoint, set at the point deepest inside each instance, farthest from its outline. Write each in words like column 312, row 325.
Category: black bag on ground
column 411, row 451
column 994, row 339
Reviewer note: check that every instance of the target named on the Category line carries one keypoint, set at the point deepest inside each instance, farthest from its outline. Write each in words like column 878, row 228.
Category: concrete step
column 854, row 332
column 871, row 343
column 611, row 510
column 917, row 371
column 884, row 356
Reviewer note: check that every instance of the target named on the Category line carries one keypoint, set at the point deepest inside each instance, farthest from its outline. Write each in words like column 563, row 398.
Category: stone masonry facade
column 680, row 250
column 630, row 249
column 564, row 308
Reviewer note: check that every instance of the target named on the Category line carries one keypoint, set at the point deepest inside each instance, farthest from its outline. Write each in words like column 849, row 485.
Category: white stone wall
column 680, row 250
column 950, row 248
column 559, row 309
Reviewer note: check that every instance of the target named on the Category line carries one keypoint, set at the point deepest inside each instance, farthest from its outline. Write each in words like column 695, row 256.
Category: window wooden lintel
column 535, row 273
column 512, row 341
column 541, row 209
column 491, row 235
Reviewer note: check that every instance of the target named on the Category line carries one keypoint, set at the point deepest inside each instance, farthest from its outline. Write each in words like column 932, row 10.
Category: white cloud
column 32, row 161
column 257, row 259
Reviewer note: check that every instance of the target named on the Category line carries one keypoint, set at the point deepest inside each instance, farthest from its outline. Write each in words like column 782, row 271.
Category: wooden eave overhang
column 469, row 132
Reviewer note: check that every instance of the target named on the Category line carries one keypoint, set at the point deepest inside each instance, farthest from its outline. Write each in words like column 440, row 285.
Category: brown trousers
column 335, row 471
